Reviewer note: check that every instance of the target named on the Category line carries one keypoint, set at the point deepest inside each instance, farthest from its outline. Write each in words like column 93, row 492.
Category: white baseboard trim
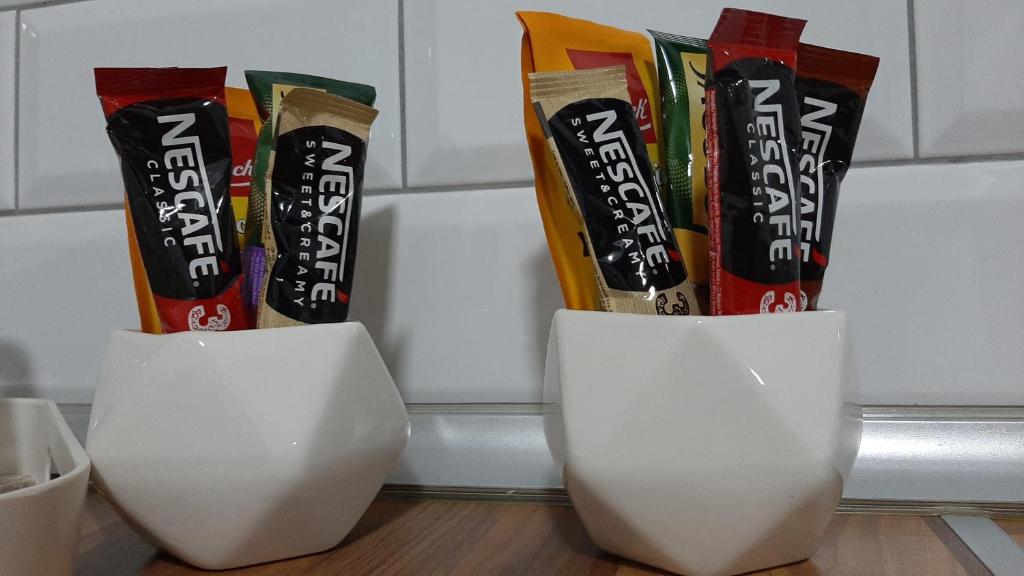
column 919, row 458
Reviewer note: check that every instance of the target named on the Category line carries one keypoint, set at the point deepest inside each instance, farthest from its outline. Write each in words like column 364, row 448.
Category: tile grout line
column 401, row 95
column 947, row 160
column 902, row 163
column 16, row 112
column 912, row 47
column 453, row 188
column 39, row 4
column 61, row 210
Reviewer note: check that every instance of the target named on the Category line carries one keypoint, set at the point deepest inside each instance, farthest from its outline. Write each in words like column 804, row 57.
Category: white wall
column 453, row 277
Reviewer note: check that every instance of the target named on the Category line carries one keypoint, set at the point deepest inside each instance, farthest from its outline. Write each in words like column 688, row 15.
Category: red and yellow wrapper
column 170, row 130
column 557, row 43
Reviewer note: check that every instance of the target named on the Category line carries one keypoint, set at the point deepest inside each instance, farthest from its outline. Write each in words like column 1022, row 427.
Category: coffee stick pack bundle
column 312, row 208
column 753, row 139
column 832, row 87
column 244, row 125
column 169, row 128
column 268, row 89
column 682, row 70
column 595, row 141
column 557, row 43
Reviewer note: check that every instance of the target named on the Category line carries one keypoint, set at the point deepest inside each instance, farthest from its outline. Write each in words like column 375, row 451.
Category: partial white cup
column 39, row 524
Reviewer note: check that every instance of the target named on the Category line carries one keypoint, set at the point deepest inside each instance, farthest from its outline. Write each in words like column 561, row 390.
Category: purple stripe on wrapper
column 254, row 259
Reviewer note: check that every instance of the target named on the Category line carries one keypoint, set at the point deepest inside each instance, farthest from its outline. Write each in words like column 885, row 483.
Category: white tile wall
column 464, row 93
column 927, row 260
column 969, row 62
column 457, row 290
column 457, row 287
column 7, row 44
column 64, row 284
column 65, row 158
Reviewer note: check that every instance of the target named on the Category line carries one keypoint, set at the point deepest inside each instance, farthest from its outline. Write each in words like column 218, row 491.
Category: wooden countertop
column 434, row 536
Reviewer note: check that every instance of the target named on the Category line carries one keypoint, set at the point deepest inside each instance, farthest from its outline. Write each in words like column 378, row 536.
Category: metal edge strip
column 480, row 493
column 846, row 505
column 992, row 546
column 932, row 460
column 943, row 413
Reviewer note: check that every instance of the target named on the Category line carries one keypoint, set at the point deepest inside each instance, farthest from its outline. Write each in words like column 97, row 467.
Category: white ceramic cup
column 39, row 525
column 234, row 448
column 703, row 445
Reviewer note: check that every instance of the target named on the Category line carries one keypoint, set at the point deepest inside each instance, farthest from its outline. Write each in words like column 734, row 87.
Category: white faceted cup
column 705, row 446
column 39, row 524
column 233, row 448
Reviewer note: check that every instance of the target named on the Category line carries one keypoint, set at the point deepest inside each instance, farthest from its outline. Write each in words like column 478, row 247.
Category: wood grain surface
column 1015, row 528
column 458, row 537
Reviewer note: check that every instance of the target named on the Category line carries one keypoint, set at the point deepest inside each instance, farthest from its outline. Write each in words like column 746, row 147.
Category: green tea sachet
column 682, row 62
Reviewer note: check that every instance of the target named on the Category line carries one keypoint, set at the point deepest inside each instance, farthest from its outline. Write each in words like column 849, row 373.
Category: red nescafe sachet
column 832, row 87
column 753, row 140
column 169, row 127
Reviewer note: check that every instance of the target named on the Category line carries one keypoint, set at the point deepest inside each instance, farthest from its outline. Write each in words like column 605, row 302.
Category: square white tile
column 464, row 116
column 7, row 45
column 66, row 283
column 926, row 261
column 969, row 81
column 457, row 290
column 65, row 158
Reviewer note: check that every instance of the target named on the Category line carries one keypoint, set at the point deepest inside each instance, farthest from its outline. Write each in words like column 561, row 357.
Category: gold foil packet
column 314, row 191
column 597, row 144
column 556, row 43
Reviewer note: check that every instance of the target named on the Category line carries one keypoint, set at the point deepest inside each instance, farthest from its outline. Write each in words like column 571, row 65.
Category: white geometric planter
column 702, row 445
column 234, row 448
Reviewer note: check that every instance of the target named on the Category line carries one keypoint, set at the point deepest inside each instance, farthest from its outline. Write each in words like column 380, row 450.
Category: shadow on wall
column 495, row 325
column 15, row 371
column 950, row 142
column 882, row 137
column 547, row 297
column 372, row 285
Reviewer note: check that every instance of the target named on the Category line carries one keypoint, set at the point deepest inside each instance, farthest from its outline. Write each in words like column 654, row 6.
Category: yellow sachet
column 557, row 43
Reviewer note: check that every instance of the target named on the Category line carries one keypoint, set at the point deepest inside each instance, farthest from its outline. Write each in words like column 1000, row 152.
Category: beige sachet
column 591, row 129
column 314, row 192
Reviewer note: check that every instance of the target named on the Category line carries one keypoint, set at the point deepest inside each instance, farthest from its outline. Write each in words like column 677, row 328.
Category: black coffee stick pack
column 315, row 193
column 832, row 89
